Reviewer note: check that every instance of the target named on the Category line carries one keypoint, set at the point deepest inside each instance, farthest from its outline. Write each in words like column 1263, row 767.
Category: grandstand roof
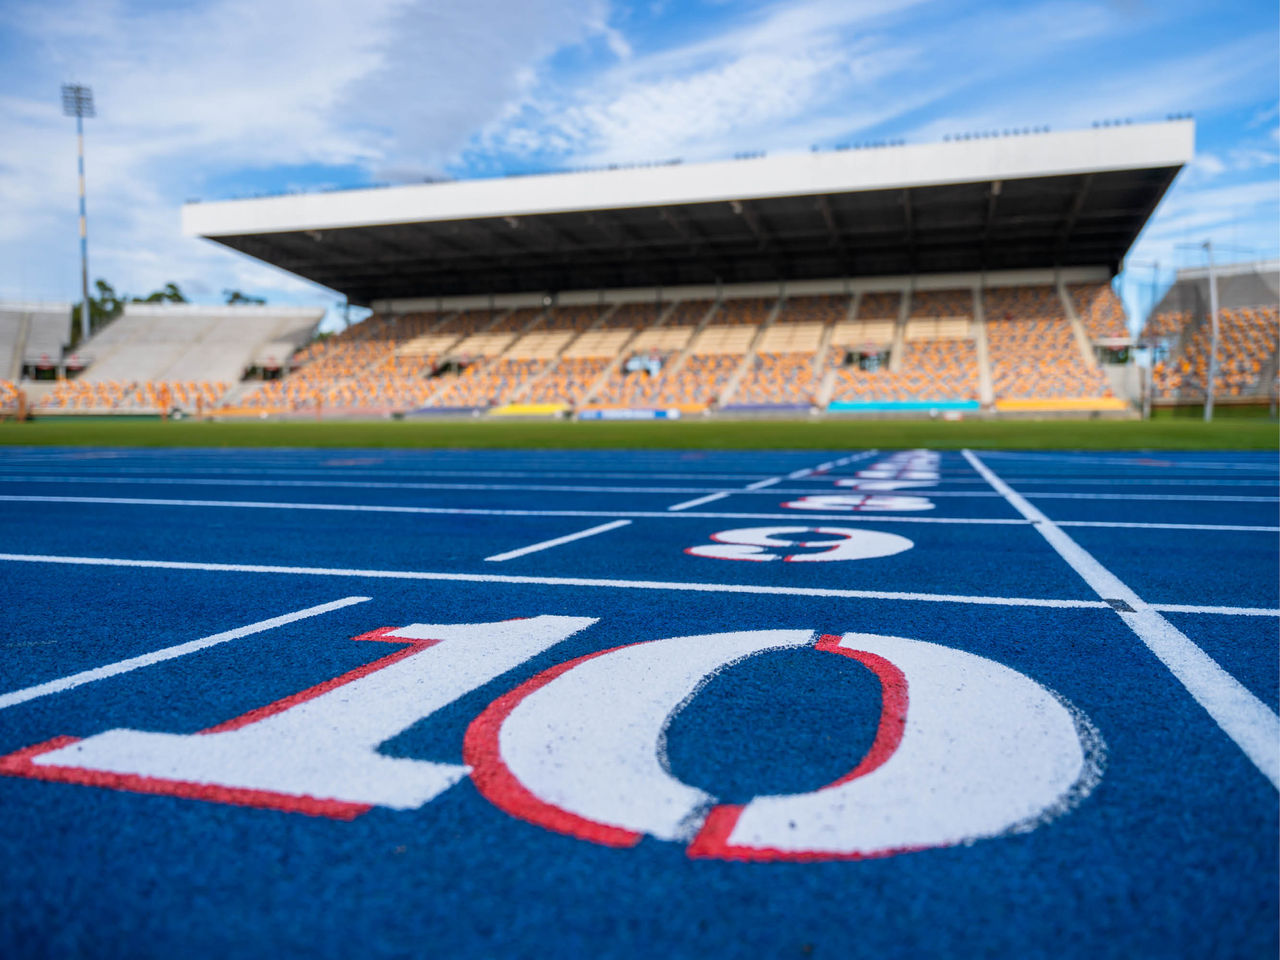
column 992, row 203
column 1250, row 284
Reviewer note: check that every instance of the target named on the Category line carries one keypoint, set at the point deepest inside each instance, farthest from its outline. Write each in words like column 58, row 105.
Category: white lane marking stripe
column 555, row 581
column 631, row 514
column 769, row 482
column 1228, row 611
column 1243, row 717
column 496, row 512
column 169, row 653
column 699, row 501
column 754, row 488
column 548, row 544
column 1167, row 526
column 1197, row 498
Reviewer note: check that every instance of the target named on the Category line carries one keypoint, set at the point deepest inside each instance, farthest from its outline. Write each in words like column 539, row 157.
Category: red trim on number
column 21, row 764
column 712, row 840
column 893, row 706
column 497, row 784
column 302, row 696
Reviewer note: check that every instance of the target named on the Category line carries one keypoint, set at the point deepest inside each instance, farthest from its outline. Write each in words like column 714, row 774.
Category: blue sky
column 219, row 98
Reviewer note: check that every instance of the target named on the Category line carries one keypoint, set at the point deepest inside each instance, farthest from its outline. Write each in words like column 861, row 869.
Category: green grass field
column 1170, row 434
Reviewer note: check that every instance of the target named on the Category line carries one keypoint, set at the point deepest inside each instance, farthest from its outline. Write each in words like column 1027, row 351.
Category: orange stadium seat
column 640, row 388
column 787, row 370
column 715, row 355
column 1100, row 310
column 879, row 306
column 489, row 385
column 359, row 369
column 930, row 370
column 104, row 395
column 1247, row 339
column 1033, row 348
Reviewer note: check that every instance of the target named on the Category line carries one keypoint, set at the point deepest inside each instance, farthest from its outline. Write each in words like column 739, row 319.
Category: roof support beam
column 993, row 195
column 834, row 235
column 1077, row 204
column 909, row 221
column 697, row 241
column 764, row 238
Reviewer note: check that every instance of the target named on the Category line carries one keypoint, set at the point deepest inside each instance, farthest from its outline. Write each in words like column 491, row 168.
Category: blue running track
column 1085, row 763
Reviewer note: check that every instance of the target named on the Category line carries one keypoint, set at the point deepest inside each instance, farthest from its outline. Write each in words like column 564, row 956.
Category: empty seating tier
column 357, row 369
column 879, row 306
column 149, row 395
column 1247, row 338
column 569, row 381
column 1100, row 310
column 489, row 385
column 651, row 353
column 786, row 368
column 1033, row 348
column 1165, row 326
column 930, row 370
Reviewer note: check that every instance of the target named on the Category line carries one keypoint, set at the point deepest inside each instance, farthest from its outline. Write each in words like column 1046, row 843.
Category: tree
column 169, row 293
column 235, row 296
column 108, row 305
column 103, row 308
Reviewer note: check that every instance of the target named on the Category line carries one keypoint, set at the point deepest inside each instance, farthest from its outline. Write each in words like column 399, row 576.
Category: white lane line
column 1130, row 482
column 1155, row 460
column 754, row 488
column 1243, row 717
column 1227, row 611
column 269, row 470
column 548, row 544
column 556, row 581
column 169, row 653
column 380, row 485
column 698, row 501
column 1242, row 528
column 496, row 511
column 850, row 517
column 771, row 481
column 1195, row 498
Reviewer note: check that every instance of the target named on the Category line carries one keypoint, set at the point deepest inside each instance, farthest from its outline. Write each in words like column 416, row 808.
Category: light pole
column 77, row 101
column 1213, row 334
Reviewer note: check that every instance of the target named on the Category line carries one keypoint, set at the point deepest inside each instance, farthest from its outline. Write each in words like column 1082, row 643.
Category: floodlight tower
column 77, row 101
column 1210, row 386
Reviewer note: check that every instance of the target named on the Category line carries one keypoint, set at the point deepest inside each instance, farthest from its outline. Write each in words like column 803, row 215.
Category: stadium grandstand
column 1180, row 331
column 971, row 275
column 32, row 339
column 156, row 358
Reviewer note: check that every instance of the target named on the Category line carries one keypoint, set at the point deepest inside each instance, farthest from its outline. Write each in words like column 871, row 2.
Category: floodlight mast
column 1213, row 338
column 77, row 101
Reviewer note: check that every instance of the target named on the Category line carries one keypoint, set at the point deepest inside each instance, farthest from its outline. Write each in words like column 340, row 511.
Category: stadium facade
column 1040, row 201
column 971, row 275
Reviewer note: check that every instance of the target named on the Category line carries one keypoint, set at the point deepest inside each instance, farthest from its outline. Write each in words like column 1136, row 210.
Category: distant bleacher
column 1248, row 337
column 938, row 361
column 653, row 355
column 787, row 368
column 32, row 335
column 1100, row 310
column 1033, row 348
column 1247, row 343
column 878, row 348
column 157, row 356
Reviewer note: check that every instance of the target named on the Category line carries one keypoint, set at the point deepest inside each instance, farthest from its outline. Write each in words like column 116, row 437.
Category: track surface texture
column 381, row 703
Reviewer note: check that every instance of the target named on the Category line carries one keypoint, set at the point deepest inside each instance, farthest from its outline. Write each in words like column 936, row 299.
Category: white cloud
column 189, row 94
